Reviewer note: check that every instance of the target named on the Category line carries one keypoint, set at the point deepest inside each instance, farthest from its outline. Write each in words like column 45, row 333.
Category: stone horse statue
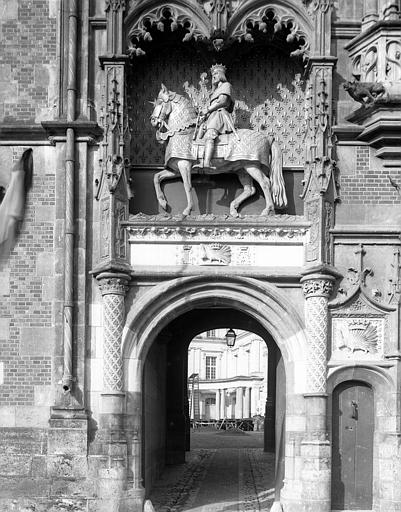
column 248, row 153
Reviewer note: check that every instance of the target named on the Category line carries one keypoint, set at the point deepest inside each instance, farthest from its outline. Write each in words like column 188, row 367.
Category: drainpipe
column 69, row 198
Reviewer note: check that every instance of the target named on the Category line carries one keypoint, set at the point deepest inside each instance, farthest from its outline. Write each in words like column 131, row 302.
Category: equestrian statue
column 202, row 138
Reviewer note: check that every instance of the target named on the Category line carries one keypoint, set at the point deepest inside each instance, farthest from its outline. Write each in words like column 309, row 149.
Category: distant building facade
column 232, row 381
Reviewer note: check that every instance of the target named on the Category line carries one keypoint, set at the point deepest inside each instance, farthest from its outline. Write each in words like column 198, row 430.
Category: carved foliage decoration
column 220, row 23
column 318, row 287
column 394, row 285
column 163, row 18
column 278, row 18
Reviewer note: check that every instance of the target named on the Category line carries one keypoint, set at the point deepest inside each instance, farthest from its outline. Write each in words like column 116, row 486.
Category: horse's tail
column 276, row 176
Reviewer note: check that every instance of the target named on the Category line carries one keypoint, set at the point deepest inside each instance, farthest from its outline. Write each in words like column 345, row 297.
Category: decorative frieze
column 179, row 233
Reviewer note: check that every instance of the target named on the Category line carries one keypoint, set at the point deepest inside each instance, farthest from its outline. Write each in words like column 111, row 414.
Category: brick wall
column 365, row 184
column 26, row 294
column 27, row 58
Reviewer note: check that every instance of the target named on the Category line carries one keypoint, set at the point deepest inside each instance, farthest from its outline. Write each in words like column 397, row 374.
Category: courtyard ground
column 224, row 472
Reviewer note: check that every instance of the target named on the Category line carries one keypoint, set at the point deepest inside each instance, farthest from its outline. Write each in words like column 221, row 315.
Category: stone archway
column 156, row 309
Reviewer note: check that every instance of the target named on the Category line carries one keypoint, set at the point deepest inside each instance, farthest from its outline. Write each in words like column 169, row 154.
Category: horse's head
column 162, row 107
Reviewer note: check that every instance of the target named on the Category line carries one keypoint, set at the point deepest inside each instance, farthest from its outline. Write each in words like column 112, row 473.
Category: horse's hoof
column 186, row 212
column 267, row 212
column 234, row 213
column 163, row 204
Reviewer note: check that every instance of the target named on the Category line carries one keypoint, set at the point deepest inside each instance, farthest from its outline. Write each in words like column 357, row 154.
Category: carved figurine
column 211, row 136
column 365, row 93
column 216, row 118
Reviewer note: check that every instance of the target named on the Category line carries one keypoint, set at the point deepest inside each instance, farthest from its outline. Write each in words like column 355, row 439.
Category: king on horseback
column 216, row 119
column 201, row 138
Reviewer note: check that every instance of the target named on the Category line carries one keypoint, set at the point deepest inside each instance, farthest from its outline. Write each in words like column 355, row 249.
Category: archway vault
column 262, row 301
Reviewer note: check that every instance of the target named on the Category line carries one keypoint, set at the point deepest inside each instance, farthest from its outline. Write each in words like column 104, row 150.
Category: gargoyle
column 365, row 93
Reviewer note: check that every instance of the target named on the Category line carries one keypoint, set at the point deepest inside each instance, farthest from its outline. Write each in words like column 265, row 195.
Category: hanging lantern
column 230, row 337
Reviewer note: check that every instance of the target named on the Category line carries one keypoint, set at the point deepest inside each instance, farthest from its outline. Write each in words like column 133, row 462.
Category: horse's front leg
column 247, row 183
column 185, row 166
column 264, row 182
column 157, row 179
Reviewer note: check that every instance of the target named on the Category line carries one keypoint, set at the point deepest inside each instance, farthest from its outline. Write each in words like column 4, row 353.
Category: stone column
column 238, row 403
column 247, row 402
column 113, row 474
column 223, row 412
column 315, row 448
column 217, row 407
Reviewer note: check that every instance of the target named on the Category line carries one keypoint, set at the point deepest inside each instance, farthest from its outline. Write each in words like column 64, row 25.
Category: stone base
column 129, row 501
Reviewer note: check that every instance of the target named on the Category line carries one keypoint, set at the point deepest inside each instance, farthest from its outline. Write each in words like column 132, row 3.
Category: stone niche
column 269, row 90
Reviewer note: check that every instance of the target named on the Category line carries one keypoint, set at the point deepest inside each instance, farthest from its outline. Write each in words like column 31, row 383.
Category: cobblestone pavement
column 218, row 480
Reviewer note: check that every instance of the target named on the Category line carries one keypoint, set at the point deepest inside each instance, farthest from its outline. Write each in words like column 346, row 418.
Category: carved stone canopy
column 219, row 24
column 376, row 64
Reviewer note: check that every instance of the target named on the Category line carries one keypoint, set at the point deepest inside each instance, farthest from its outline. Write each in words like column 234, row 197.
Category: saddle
column 220, row 146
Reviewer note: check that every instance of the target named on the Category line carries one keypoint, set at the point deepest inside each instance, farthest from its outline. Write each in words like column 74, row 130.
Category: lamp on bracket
column 230, row 337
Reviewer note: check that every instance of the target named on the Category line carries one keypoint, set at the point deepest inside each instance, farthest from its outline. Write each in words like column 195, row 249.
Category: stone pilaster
column 315, row 448
column 112, row 475
column 113, row 287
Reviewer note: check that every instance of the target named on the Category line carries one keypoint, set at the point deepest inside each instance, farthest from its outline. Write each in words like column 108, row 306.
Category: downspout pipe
column 69, row 235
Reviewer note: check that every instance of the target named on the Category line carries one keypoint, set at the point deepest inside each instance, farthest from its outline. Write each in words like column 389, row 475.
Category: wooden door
column 352, row 463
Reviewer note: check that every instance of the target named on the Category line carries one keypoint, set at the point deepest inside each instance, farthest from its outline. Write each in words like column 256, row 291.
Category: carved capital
column 317, row 286
column 113, row 284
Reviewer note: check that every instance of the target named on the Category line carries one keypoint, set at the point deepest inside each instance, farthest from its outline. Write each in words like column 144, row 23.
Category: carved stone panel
column 359, row 330
column 357, row 338
column 166, row 243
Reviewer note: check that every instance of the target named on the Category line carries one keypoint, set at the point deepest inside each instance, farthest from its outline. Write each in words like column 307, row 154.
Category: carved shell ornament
column 359, row 336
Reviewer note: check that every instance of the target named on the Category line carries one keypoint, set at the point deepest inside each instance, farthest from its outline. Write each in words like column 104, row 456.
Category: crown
column 218, row 67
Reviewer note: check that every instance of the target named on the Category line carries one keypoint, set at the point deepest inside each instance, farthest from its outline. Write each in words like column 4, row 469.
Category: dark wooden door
column 352, row 463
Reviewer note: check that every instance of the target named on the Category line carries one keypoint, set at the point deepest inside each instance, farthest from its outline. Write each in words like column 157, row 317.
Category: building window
column 211, row 334
column 210, row 367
